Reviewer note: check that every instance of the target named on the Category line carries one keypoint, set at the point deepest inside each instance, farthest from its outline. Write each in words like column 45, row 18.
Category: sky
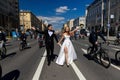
column 55, row 12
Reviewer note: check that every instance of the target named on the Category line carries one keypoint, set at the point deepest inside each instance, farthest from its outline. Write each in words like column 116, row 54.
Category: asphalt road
column 31, row 64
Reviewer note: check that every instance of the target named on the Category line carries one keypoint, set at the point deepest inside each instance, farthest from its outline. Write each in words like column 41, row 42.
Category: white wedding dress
column 71, row 52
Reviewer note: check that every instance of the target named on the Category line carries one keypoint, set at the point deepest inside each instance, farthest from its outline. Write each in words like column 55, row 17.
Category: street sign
column 111, row 16
column 108, row 25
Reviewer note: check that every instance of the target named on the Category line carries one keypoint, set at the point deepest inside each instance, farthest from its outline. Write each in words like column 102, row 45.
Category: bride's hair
column 67, row 31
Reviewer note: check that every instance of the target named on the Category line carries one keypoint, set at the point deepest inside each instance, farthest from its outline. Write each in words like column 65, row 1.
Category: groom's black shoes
column 49, row 62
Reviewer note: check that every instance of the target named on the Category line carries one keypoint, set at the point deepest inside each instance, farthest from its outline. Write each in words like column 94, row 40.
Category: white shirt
column 50, row 33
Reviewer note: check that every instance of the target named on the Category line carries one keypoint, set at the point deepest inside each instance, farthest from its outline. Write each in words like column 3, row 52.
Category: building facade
column 80, row 21
column 28, row 20
column 9, row 14
column 111, row 16
column 70, row 23
column 114, row 15
column 93, row 18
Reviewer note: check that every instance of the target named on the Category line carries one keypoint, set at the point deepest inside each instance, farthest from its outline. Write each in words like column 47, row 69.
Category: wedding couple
column 67, row 53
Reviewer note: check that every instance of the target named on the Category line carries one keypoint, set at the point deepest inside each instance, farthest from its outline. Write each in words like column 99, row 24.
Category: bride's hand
column 77, row 28
column 59, row 44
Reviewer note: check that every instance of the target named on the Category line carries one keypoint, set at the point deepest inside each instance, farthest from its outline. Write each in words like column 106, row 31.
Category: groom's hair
column 49, row 25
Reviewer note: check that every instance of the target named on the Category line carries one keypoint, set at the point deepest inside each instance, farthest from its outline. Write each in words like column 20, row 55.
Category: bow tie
column 50, row 30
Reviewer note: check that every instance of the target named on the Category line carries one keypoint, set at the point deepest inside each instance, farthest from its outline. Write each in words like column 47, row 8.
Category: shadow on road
column 88, row 57
column 95, row 59
column 11, row 54
column 27, row 47
column 13, row 75
column 8, row 55
column 115, row 62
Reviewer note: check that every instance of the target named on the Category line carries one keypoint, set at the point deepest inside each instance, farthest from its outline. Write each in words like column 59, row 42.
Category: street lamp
column 108, row 25
column 86, row 13
column 102, row 15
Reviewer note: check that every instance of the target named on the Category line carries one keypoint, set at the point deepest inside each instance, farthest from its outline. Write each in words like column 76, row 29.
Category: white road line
column 85, row 51
column 114, row 46
column 39, row 69
column 77, row 71
column 116, row 49
column 116, row 67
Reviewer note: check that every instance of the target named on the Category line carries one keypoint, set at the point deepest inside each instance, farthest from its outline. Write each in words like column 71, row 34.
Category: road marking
column 85, row 51
column 116, row 49
column 39, row 69
column 116, row 67
column 78, row 72
column 114, row 46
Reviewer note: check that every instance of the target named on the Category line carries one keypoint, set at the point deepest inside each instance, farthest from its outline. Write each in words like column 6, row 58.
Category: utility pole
column 102, row 16
column 108, row 26
column 86, row 12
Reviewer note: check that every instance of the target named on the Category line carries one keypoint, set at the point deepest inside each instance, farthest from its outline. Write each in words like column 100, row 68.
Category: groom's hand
column 33, row 28
column 59, row 44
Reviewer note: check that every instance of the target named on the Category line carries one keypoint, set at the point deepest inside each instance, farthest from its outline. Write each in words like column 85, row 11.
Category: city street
column 31, row 64
column 71, row 20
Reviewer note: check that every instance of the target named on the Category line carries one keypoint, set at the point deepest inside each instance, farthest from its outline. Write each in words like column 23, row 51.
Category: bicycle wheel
column 0, row 71
column 116, row 42
column 104, row 59
column 117, row 56
column 89, row 50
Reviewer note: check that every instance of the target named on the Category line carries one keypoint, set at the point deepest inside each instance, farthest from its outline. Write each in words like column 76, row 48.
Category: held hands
column 77, row 28
column 96, row 42
column 59, row 44
column 33, row 28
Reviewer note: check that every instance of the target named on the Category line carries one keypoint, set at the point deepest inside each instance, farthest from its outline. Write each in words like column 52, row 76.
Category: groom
column 49, row 42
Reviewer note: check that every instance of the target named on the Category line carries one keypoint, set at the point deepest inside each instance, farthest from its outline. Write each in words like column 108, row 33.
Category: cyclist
column 93, row 39
column 118, row 36
column 23, row 37
column 3, row 41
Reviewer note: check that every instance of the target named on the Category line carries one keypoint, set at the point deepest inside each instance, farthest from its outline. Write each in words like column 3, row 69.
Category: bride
column 67, row 53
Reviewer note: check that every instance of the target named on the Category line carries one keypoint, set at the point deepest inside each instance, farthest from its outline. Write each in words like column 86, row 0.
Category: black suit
column 49, row 42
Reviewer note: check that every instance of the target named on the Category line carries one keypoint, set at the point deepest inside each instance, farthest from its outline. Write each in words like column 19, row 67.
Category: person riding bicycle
column 2, row 43
column 118, row 35
column 93, row 39
column 3, row 37
column 23, row 37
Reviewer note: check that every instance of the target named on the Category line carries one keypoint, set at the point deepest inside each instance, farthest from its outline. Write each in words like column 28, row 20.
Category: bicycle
column 0, row 72
column 22, row 45
column 117, row 42
column 100, row 54
column 117, row 56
